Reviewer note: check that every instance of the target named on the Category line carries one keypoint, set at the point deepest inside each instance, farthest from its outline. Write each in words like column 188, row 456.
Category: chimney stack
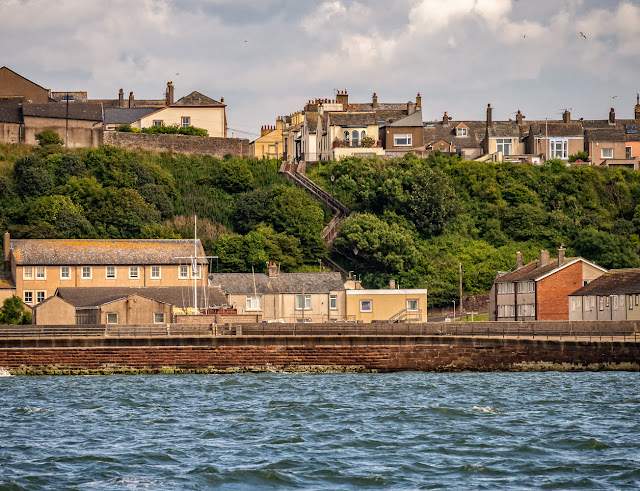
column 343, row 98
column 418, row 100
column 637, row 110
column 410, row 108
column 131, row 104
column 489, row 115
column 519, row 117
column 121, row 98
column 392, row 284
column 445, row 119
column 544, row 258
column 566, row 116
column 272, row 268
column 612, row 116
column 169, row 100
column 561, row 253
column 518, row 260
column 375, row 100
column 7, row 251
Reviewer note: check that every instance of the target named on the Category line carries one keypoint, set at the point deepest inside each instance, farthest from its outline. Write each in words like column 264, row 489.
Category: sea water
column 321, row 431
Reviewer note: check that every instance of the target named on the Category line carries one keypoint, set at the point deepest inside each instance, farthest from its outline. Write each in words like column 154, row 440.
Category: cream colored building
column 271, row 142
column 194, row 109
column 38, row 267
column 402, row 305
column 284, row 297
column 341, row 135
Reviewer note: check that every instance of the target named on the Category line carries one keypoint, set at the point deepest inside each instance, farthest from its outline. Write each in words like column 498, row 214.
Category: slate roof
column 87, row 111
column 611, row 134
column 88, row 252
column 390, row 115
column 541, row 130
column 352, row 118
column 6, row 282
column 447, row 133
column 125, row 115
column 531, row 271
column 197, row 99
column 412, row 120
column 504, row 129
column 312, row 121
column 10, row 111
column 173, row 295
column 614, row 282
column 242, row 283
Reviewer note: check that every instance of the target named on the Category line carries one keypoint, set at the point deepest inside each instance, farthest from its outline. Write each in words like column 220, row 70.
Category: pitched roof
column 58, row 110
column 174, row 295
column 610, row 134
column 88, row 252
column 438, row 131
column 500, row 129
column 616, row 281
column 243, row 283
column 197, row 99
column 24, row 78
column 352, row 118
column 412, row 120
column 10, row 111
column 541, row 130
column 531, row 271
column 312, row 121
column 6, row 282
column 125, row 115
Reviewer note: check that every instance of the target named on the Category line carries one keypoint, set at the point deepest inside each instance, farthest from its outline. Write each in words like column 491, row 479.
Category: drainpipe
column 515, row 296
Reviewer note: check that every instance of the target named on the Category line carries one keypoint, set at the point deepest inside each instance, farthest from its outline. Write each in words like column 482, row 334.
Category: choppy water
column 253, row 431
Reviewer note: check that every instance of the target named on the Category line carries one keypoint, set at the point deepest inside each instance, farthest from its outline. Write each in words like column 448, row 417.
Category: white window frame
column 154, row 270
column 630, row 302
column 502, row 143
column 183, row 272
column 333, row 302
column 163, row 317
column 109, row 315
column 86, row 269
column 41, row 295
column 110, row 273
column 410, row 308
column 188, row 121
column 196, row 272
column 303, row 298
column 400, row 137
column 559, row 148
column 27, row 273
column 134, row 273
column 41, row 273
column 65, row 273
column 27, row 297
column 158, row 122
column 254, row 302
column 609, row 153
column 461, row 131
column 366, row 305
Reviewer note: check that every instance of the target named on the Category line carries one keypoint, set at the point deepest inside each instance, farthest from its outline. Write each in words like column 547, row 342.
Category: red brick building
column 539, row 290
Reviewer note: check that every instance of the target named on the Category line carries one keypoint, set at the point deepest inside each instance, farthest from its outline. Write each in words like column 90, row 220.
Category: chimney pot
column 612, row 116
column 566, row 116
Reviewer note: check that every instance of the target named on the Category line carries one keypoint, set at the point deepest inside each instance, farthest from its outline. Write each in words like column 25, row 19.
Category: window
column 559, row 149
column 526, row 286
column 366, row 306
column 355, row 137
column 528, row 310
column 86, row 272
column 303, row 302
column 184, row 272
column 158, row 317
column 601, row 303
column 503, row 145
column 196, row 271
column 27, row 273
column 627, row 152
column 461, row 131
column 347, row 136
column 412, row 305
column 333, row 302
column 112, row 318
column 637, row 299
column 28, row 297
column 506, row 288
column 363, row 134
column 630, row 302
column 405, row 140
column 585, row 282
column 254, row 302
column 133, row 272
column 67, row 97
column 155, row 272
column 607, row 153
column 186, row 121
column 158, row 123
column 606, row 301
column 111, row 273
column 65, row 274
column 40, row 296
column 40, row 273
column 615, row 302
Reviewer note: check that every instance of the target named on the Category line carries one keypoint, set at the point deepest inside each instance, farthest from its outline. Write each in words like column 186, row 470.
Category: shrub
column 125, row 128
column 48, row 137
column 14, row 312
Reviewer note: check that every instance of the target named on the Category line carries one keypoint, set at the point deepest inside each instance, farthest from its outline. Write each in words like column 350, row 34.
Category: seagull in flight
column 582, row 34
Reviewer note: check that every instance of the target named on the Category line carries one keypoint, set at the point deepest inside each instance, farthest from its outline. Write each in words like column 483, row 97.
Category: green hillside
column 417, row 219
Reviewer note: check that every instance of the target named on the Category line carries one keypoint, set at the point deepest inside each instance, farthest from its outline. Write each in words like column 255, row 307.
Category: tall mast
column 194, row 264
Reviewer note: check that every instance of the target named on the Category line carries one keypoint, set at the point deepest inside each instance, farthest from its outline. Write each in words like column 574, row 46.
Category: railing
column 561, row 331
column 406, row 315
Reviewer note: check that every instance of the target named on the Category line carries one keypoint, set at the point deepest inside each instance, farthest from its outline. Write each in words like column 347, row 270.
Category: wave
column 4, row 372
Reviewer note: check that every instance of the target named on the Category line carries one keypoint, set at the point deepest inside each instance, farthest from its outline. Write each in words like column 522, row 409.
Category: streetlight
column 333, row 178
column 355, row 251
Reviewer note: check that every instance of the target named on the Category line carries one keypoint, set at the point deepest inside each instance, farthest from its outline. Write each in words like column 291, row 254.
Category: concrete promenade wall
column 383, row 353
column 217, row 147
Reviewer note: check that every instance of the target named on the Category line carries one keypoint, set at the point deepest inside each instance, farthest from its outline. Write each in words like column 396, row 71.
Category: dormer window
column 461, row 131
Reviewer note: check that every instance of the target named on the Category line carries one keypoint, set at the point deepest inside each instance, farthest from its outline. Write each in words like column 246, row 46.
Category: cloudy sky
column 268, row 57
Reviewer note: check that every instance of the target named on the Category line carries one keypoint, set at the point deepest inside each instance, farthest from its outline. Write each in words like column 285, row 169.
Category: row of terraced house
column 330, row 129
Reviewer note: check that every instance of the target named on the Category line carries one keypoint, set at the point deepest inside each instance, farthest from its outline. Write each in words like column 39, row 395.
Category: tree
column 31, row 176
column 48, row 137
column 13, row 311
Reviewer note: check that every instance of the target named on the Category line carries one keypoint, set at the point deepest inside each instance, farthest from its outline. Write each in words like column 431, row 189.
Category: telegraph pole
column 460, row 270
